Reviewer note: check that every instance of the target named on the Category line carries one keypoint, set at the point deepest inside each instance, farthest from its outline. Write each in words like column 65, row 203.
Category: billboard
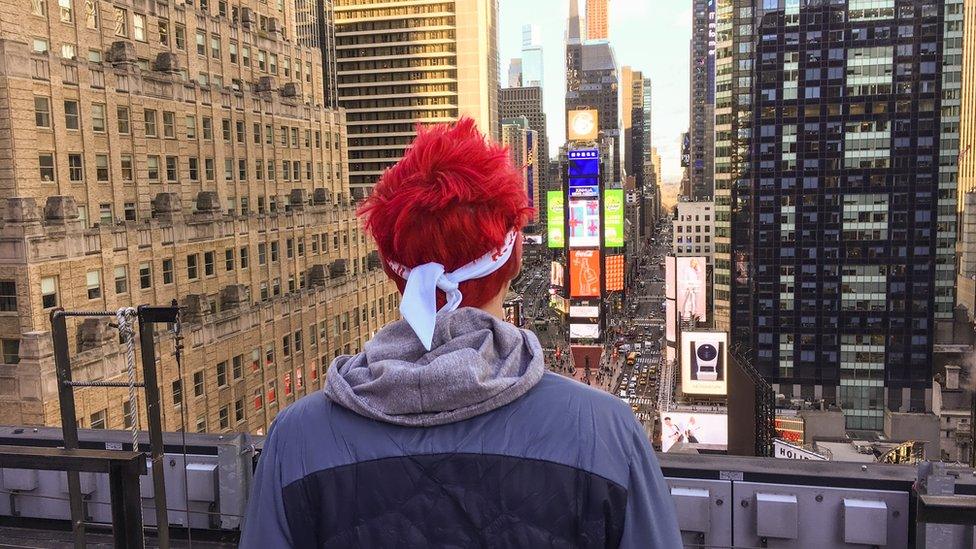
column 582, row 125
column 704, row 363
column 669, row 266
column 555, row 207
column 790, row 428
column 584, row 311
column 613, row 218
column 584, row 223
column 785, row 450
column 670, row 322
column 559, row 303
column 584, row 187
column 557, row 274
column 615, row 273
column 532, row 238
column 584, row 331
column 584, row 273
column 693, row 428
column 690, row 287
column 513, row 312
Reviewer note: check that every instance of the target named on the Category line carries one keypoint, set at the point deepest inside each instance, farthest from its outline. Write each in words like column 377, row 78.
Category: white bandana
column 420, row 294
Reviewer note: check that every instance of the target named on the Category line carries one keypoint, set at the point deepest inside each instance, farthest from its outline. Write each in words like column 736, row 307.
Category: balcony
column 722, row 501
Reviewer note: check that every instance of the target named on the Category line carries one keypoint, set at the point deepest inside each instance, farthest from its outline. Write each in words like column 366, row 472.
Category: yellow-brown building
column 597, row 20
column 152, row 151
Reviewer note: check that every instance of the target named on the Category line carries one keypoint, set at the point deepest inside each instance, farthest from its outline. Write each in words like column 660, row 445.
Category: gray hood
column 477, row 363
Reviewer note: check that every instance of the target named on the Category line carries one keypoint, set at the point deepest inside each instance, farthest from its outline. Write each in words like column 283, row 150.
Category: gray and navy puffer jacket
column 471, row 444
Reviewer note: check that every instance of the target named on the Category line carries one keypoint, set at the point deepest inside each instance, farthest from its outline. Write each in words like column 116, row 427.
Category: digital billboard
column 532, row 238
column 690, row 288
column 613, row 218
column 584, row 311
column 557, row 274
column 704, row 360
column 582, row 125
column 584, row 331
column 615, row 273
column 584, row 187
column 693, row 428
column 670, row 322
column 559, row 303
column 669, row 263
column 555, row 208
column 584, row 273
column 584, row 223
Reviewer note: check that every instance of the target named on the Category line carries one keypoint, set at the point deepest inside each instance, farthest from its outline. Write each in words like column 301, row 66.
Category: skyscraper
column 966, row 276
column 838, row 159
column 131, row 184
column 701, row 123
column 315, row 28
column 523, row 145
column 532, row 65
column 636, row 122
column 409, row 62
column 527, row 102
column 597, row 20
column 515, row 73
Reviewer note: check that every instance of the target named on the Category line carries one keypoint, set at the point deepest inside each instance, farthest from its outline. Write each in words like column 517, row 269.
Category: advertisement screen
column 693, row 428
column 555, row 208
column 613, row 218
column 513, row 313
column 583, row 162
column 584, row 331
column 690, row 277
column 532, row 238
column 789, row 428
column 584, row 311
column 559, row 303
column 669, row 262
column 584, row 273
column 584, row 223
column 615, row 273
column 557, row 274
column 670, row 322
column 584, row 187
column 582, row 125
column 704, row 360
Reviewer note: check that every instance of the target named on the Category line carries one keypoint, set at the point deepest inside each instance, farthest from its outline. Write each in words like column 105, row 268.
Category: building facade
column 523, row 145
column 701, row 123
column 176, row 152
column 315, row 28
column 527, row 102
column 532, row 65
column 592, row 83
column 843, row 209
column 410, row 62
column 693, row 226
column 515, row 73
column 597, row 20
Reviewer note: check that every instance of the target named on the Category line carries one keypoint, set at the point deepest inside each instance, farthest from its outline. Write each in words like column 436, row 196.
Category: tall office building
column 701, row 123
column 636, row 122
column 515, row 73
column 597, row 20
column 527, row 102
column 532, row 65
column 182, row 152
column 524, row 145
column 592, row 82
column 406, row 62
column 315, row 28
column 966, row 206
column 843, row 211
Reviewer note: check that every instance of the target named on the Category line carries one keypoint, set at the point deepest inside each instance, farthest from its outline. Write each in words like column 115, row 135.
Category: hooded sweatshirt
column 470, row 444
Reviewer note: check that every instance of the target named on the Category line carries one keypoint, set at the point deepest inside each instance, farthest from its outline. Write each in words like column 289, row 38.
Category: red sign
column 584, row 273
column 615, row 273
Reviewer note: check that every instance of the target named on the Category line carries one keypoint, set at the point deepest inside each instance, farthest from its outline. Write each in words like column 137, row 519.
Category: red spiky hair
column 451, row 199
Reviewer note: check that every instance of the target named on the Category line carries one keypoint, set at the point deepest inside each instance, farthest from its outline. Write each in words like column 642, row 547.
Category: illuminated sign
column 584, row 311
column 555, row 209
column 584, row 223
column 557, row 274
column 615, row 273
column 693, row 428
column 582, row 125
column 613, row 218
column 690, row 288
column 584, row 331
column 704, row 363
column 584, row 273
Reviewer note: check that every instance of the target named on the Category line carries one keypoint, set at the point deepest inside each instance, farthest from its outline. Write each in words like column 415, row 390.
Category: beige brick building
column 160, row 150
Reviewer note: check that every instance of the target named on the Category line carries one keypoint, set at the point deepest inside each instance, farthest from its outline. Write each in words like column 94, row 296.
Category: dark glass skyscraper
column 842, row 211
column 701, row 123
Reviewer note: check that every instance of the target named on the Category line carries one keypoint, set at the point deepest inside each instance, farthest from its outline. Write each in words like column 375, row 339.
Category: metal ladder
column 148, row 317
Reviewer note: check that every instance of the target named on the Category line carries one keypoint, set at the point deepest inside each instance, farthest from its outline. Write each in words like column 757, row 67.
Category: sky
column 648, row 35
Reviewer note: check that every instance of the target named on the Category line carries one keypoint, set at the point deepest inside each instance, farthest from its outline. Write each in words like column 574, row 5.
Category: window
column 71, row 115
column 93, row 281
column 40, row 46
column 239, row 126
column 121, row 280
column 101, row 167
column 39, row 7
column 45, row 163
column 232, row 50
column 105, row 216
column 42, row 112
column 169, row 124
column 201, row 43
column 191, row 126
column 222, row 374
column 193, row 163
column 224, row 415
column 244, row 258
column 95, row 56
column 167, row 271
column 208, row 263
column 239, row 410
column 98, row 420
column 198, row 384
column 8, row 296
column 149, row 116
column 258, row 399
column 145, row 275
column 152, row 164
column 164, row 32
column 49, row 292
column 75, row 170
column 191, row 266
column 209, row 170
column 215, row 46
column 126, row 161
column 180, row 33
column 272, row 392
column 172, row 168
column 139, row 27
column 274, row 252
column 177, row 392
column 127, row 414
column 229, row 259
column 69, row 51
column 121, row 22
column 129, row 209
column 202, row 424
column 65, row 11
column 98, row 117
column 207, row 127
column 122, row 113
column 286, row 346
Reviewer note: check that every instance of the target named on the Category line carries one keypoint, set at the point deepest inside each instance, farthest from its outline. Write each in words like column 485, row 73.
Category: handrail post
column 69, row 427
